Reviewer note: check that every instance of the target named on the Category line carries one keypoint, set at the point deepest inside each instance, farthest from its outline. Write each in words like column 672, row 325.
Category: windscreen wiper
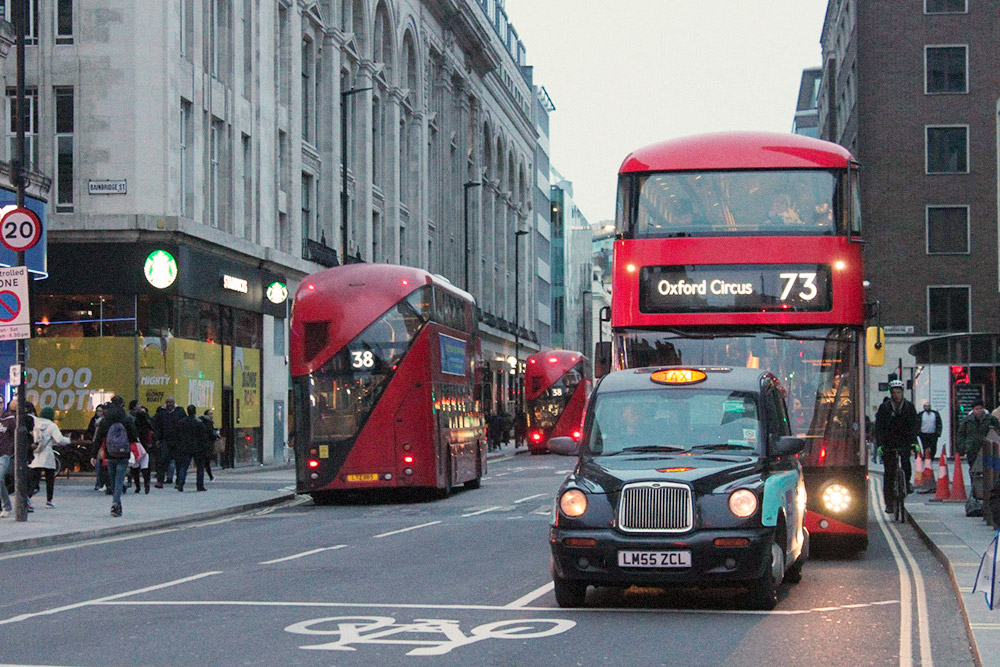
column 785, row 335
column 650, row 448
column 723, row 445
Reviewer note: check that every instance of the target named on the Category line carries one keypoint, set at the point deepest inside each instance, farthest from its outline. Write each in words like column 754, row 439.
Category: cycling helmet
column 893, row 384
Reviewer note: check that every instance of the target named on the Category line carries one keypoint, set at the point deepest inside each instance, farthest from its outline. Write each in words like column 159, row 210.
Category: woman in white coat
column 47, row 435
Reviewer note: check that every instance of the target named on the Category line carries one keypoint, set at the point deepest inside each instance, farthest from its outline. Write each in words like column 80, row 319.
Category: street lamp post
column 517, row 303
column 344, row 94
column 465, row 213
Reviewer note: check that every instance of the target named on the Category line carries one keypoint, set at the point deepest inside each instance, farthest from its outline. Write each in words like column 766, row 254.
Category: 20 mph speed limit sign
column 20, row 229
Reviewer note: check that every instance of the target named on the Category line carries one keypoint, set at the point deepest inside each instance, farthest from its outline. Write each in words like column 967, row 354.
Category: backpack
column 116, row 445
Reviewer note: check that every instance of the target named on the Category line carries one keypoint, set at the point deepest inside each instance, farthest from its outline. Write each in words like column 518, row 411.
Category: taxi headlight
column 573, row 503
column 837, row 498
column 743, row 503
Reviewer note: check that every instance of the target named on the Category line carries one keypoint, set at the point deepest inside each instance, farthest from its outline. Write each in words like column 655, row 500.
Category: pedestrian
column 520, row 427
column 116, row 435
column 213, row 437
column 47, row 435
column 99, row 469
column 494, row 423
column 972, row 434
column 896, row 428
column 165, row 422
column 8, row 422
column 930, row 431
column 192, row 443
column 507, row 424
column 144, row 427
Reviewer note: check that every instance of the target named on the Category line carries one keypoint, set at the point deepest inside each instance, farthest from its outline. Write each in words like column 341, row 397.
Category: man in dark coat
column 896, row 429
column 192, row 443
column 165, row 423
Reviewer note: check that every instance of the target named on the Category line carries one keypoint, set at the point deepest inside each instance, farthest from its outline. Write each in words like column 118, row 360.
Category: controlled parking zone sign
column 20, row 229
column 15, row 321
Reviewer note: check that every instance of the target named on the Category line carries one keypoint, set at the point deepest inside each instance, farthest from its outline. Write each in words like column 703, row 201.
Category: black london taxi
column 685, row 477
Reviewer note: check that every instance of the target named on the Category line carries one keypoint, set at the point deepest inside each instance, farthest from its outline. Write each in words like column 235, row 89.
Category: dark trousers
column 135, row 474
column 184, row 462
column 50, row 480
column 889, row 457
column 929, row 442
column 164, row 456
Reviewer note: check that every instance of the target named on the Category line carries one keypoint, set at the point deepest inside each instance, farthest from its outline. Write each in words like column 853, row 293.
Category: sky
column 627, row 73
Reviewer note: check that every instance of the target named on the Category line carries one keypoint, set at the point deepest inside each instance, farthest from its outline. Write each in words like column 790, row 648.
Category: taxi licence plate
column 654, row 559
column 366, row 477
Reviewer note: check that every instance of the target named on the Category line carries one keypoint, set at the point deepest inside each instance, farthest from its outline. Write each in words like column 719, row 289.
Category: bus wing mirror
column 564, row 446
column 788, row 445
column 602, row 359
column 875, row 346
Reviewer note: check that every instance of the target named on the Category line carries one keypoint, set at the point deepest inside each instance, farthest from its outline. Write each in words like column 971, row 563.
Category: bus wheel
column 323, row 498
column 478, row 481
column 446, row 491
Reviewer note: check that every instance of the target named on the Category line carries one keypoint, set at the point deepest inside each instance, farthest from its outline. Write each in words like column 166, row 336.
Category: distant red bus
column 383, row 361
column 556, row 386
column 743, row 249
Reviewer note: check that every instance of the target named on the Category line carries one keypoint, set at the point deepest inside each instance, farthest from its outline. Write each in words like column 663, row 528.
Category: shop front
column 154, row 321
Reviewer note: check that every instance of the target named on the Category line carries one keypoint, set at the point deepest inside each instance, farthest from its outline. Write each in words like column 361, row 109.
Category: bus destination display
column 735, row 288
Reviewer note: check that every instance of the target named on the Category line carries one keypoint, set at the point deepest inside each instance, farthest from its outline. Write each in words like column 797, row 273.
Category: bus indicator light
column 678, row 376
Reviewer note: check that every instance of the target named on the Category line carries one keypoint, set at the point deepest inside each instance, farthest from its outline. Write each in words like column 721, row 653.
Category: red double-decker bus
column 743, row 249
column 383, row 361
column 556, row 386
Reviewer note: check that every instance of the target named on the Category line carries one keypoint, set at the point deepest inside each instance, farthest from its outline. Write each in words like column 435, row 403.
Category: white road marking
column 532, row 596
column 301, row 555
column 524, row 500
column 482, row 607
column 488, row 509
column 923, row 627
column 88, row 543
column 109, row 598
column 406, row 530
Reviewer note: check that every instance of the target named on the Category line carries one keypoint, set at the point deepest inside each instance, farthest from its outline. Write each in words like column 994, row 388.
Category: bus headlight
column 573, row 503
column 743, row 503
column 837, row 498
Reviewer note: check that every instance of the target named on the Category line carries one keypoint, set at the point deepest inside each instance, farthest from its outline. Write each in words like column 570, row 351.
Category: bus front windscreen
column 817, row 368
column 714, row 203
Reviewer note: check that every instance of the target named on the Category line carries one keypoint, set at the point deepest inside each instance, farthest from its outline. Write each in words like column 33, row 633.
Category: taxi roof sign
column 678, row 376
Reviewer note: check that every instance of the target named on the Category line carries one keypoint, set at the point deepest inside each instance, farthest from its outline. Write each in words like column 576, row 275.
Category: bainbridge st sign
column 739, row 288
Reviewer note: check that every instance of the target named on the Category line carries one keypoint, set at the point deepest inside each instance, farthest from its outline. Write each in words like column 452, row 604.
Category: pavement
column 80, row 513
column 959, row 542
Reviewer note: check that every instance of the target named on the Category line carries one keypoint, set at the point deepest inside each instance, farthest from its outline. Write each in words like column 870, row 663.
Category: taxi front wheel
column 762, row 592
column 569, row 593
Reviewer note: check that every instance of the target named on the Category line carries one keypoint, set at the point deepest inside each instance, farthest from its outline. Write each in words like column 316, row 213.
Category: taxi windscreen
column 665, row 420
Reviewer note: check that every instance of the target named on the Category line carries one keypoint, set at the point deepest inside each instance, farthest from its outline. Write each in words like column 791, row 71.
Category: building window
column 249, row 221
column 247, row 48
column 946, row 6
column 30, row 125
column 946, row 69
column 307, row 91
column 64, row 150
column 947, row 149
column 185, row 143
column 64, row 22
column 948, row 230
column 307, row 186
column 948, row 309
column 31, row 32
column 213, row 185
column 187, row 28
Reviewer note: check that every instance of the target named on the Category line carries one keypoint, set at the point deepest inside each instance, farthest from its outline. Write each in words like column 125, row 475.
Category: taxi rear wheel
column 569, row 593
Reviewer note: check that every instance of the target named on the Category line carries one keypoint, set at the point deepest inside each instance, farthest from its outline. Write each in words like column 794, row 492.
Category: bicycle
column 898, row 486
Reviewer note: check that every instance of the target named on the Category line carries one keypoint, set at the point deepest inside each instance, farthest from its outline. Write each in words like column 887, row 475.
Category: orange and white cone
column 942, row 484
column 918, row 470
column 958, row 485
column 927, row 482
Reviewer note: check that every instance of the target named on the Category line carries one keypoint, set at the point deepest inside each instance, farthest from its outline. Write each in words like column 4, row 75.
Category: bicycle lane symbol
column 448, row 635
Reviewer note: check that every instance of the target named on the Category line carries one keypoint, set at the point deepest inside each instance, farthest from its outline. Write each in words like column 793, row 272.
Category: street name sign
column 15, row 321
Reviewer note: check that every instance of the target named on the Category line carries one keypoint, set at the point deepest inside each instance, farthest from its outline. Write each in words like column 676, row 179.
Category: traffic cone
column 927, row 484
column 918, row 470
column 942, row 484
column 958, row 485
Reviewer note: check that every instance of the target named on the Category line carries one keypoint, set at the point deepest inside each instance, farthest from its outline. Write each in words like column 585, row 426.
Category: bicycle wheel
column 900, row 493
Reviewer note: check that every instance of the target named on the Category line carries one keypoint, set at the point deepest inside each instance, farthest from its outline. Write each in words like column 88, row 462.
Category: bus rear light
column 405, row 282
column 536, row 436
column 822, row 454
column 531, row 361
column 553, row 360
column 387, row 476
column 577, row 435
column 731, row 541
column 406, row 447
column 408, row 471
column 580, row 542
column 313, row 452
column 313, row 463
column 408, row 459
column 310, row 287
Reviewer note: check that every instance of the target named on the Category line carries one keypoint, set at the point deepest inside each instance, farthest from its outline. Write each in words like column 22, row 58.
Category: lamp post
column 465, row 213
column 344, row 94
column 517, row 304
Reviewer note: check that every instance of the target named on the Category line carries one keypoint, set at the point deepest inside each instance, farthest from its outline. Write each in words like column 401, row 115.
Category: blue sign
column 35, row 258
column 452, row 355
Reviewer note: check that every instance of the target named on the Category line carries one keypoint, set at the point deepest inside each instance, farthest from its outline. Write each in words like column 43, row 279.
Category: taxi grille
column 655, row 507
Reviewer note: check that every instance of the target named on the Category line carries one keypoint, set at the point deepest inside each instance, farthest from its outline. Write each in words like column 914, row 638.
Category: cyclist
column 896, row 429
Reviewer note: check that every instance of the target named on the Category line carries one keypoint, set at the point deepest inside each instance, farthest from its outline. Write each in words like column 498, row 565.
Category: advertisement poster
column 246, row 387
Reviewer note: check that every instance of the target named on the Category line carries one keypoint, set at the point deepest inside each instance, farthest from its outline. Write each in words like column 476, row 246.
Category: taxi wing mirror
column 788, row 445
column 564, row 446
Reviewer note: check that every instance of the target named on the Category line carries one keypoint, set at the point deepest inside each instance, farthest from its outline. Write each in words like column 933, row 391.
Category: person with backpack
column 116, row 434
